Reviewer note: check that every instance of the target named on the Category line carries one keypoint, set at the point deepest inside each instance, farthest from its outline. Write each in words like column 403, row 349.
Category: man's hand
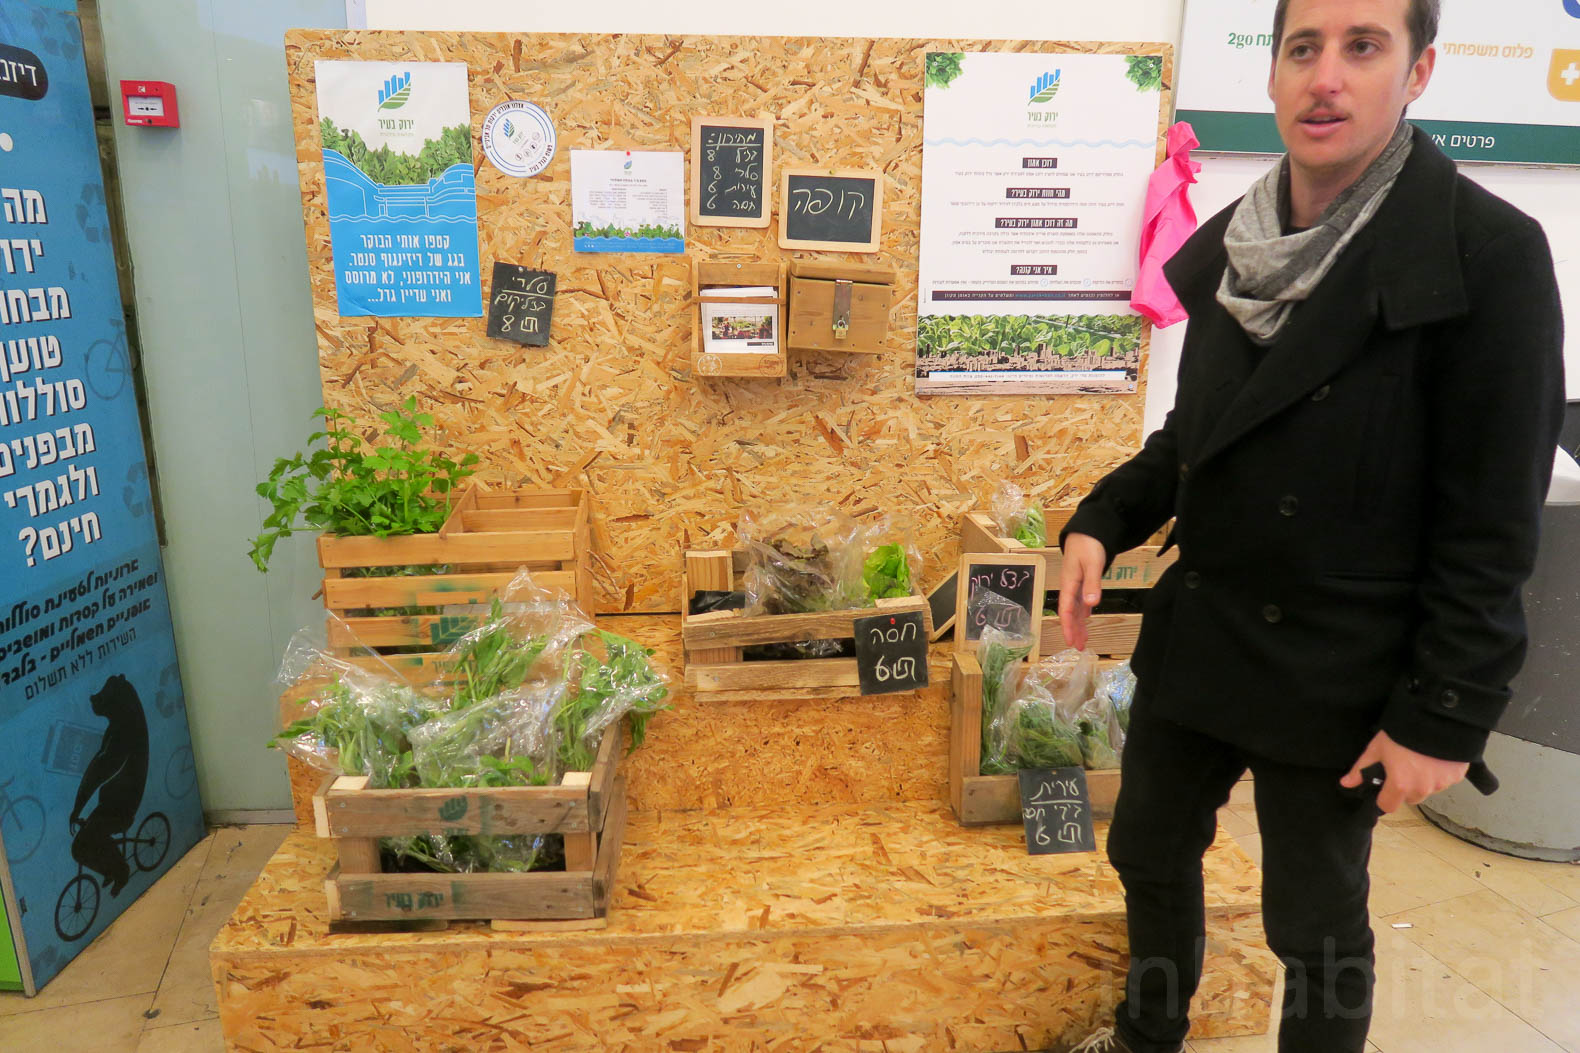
column 1410, row 777
column 1080, row 585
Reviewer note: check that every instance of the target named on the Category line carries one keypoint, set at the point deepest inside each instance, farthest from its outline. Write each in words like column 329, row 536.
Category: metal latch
column 841, row 308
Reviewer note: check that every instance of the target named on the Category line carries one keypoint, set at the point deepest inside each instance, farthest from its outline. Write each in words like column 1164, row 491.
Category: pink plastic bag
column 1168, row 222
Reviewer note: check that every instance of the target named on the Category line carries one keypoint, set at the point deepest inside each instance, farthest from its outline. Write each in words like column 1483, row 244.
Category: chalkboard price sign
column 1056, row 811
column 891, row 652
column 522, row 305
column 731, row 171
column 832, row 210
column 1004, row 591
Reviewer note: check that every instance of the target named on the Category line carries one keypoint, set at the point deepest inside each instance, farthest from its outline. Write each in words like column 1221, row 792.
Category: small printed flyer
column 1034, row 177
column 628, row 201
column 397, row 140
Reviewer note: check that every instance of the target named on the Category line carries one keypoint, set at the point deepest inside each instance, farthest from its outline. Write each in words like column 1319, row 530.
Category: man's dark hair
column 1421, row 19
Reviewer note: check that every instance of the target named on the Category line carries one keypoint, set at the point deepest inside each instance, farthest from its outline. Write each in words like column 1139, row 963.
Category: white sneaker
column 1103, row 1040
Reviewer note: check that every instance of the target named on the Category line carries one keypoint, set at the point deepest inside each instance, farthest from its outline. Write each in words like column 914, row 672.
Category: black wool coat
column 1356, row 507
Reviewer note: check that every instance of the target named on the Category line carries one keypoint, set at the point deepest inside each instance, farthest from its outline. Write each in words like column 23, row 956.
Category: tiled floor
column 1477, row 953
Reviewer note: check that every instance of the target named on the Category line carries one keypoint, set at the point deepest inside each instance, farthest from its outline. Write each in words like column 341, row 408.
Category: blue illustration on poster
column 90, row 692
column 401, row 190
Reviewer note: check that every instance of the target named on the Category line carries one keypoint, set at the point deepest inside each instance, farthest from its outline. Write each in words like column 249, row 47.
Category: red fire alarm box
column 150, row 102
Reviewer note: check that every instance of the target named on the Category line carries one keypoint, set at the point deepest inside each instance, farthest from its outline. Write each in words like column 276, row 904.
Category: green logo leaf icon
column 395, row 92
column 452, row 809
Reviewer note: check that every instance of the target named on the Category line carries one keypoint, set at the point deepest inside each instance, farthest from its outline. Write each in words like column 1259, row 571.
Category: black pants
column 1316, row 842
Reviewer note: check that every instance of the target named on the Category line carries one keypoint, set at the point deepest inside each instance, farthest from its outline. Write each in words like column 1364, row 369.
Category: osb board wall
column 612, row 404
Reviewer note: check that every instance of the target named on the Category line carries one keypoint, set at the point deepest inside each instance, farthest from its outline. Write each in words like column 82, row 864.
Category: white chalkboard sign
column 731, row 171
column 831, row 210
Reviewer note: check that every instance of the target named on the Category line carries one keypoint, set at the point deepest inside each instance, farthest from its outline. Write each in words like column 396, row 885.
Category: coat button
column 1321, row 393
column 1450, row 699
column 1192, row 579
column 1288, row 505
column 1413, row 685
column 1184, row 469
column 1272, row 614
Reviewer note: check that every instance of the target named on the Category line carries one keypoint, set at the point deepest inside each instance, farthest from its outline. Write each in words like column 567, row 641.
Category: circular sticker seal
column 518, row 138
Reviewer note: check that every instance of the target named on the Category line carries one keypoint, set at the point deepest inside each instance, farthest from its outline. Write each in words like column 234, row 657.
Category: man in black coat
column 1370, row 393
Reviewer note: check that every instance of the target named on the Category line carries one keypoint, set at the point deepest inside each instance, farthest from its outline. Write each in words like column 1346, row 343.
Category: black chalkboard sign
column 891, row 652
column 1056, row 810
column 731, row 169
column 1016, row 579
column 522, row 305
column 831, row 210
column 942, row 602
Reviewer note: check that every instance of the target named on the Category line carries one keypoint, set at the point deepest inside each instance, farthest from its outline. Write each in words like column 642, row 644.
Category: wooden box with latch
column 839, row 307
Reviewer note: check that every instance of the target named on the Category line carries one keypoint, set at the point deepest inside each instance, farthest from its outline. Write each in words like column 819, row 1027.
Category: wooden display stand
column 587, row 809
column 714, row 640
column 1109, row 635
column 487, row 539
column 981, row 799
column 713, row 274
column 839, row 307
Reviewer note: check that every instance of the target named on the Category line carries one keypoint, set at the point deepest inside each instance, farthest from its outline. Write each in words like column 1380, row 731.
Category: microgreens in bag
column 356, row 487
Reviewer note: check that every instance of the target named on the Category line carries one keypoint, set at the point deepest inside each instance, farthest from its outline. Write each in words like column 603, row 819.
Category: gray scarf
column 1270, row 271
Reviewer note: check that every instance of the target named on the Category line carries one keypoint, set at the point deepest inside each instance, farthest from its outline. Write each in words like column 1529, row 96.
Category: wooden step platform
column 848, row 926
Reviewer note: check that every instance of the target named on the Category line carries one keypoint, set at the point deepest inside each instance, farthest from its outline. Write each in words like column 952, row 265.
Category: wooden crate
column 1110, row 635
column 489, row 536
column 712, row 274
column 981, row 799
column 813, row 287
column 587, row 808
column 713, row 642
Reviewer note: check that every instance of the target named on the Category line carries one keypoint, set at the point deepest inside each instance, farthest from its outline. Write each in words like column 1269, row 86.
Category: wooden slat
column 378, row 897
column 603, row 774
column 501, row 810
column 772, row 676
column 712, row 571
column 965, row 735
column 977, row 534
column 581, row 849
column 609, row 844
column 1106, row 634
column 788, row 628
column 431, row 630
column 357, row 855
column 526, row 546
column 546, row 498
column 431, row 590
column 467, row 501
column 511, row 519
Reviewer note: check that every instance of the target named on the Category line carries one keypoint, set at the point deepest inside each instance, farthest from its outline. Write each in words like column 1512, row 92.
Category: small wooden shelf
column 709, row 274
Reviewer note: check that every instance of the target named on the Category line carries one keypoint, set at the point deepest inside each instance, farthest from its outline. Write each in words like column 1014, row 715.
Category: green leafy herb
column 354, row 487
column 493, row 660
column 626, row 672
column 887, row 572
column 996, row 659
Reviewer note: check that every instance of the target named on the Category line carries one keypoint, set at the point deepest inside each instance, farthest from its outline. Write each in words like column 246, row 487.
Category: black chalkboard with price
column 833, row 210
column 1004, row 591
column 522, row 305
column 731, row 171
column 891, row 652
column 1057, row 811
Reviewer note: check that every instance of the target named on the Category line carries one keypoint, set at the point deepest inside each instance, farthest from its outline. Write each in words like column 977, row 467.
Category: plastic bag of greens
column 1115, row 691
column 521, row 636
column 999, row 656
column 505, row 740
column 1042, row 730
column 802, row 559
column 1018, row 516
column 893, row 563
column 351, row 719
column 472, row 854
column 609, row 678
